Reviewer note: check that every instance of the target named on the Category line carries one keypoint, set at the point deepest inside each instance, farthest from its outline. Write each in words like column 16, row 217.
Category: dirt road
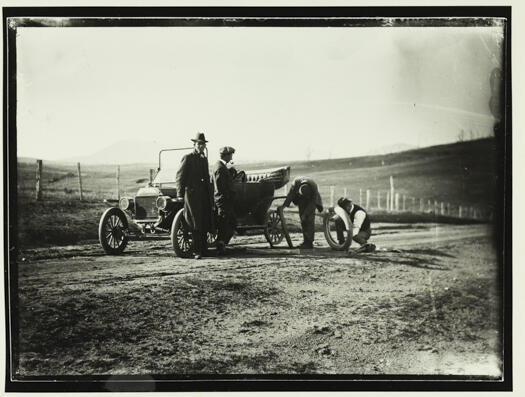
column 426, row 302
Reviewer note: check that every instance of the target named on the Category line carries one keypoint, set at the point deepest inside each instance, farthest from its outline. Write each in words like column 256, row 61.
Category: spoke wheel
column 274, row 231
column 181, row 238
column 211, row 239
column 330, row 232
column 113, row 231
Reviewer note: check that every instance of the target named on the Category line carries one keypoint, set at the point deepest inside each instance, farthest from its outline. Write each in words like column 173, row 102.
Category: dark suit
column 224, row 195
column 193, row 183
column 307, row 206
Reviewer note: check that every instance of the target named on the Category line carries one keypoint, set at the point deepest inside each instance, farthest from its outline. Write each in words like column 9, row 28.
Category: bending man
column 305, row 194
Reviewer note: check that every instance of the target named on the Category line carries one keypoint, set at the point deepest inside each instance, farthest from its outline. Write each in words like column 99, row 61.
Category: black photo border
column 255, row 16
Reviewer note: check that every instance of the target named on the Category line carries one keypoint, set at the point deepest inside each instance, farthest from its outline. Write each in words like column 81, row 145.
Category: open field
column 426, row 302
column 461, row 173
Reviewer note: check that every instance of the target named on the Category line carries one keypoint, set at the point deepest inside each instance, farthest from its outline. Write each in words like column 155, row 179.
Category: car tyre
column 274, row 230
column 329, row 230
column 113, row 231
column 181, row 238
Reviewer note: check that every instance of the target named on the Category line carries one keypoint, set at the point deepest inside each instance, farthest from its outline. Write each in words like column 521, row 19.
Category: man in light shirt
column 359, row 221
column 224, row 196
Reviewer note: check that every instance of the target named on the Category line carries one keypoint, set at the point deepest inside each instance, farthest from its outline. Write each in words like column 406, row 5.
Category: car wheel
column 330, row 232
column 211, row 240
column 113, row 231
column 274, row 231
column 181, row 237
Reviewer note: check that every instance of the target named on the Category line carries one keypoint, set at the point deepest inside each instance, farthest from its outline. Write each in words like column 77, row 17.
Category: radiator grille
column 145, row 207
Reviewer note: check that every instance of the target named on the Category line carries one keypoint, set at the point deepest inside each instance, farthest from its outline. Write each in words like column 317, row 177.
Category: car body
column 157, row 211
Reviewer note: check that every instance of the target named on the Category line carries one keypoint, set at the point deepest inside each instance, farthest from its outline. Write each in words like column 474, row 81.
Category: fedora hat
column 200, row 137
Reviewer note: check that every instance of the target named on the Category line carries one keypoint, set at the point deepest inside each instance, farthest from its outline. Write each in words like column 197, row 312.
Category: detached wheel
column 274, row 231
column 112, row 231
column 181, row 237
column 330, row 232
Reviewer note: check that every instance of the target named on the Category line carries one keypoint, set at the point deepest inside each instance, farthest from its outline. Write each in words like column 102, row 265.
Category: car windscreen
column 169, row 165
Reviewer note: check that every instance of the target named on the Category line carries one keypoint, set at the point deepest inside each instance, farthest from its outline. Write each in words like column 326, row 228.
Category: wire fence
column 77, row 182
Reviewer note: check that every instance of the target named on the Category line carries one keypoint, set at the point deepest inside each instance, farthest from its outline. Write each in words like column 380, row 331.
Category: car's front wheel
column 112, row 231
column 181, row 237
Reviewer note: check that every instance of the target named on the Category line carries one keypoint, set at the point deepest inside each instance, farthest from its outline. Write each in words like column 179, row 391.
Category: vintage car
column 155, row 211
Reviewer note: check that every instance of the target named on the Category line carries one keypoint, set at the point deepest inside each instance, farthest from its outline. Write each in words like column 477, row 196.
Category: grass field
column 461, row 173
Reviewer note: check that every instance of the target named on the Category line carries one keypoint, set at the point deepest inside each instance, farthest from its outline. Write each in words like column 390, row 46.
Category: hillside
column 459, row 173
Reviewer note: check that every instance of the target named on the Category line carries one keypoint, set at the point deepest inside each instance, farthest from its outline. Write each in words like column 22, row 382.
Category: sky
column 272, row 93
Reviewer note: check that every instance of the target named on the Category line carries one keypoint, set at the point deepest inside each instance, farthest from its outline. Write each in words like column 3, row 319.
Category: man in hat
column 358, row 220
column 305, row 194
column 223, row 176
column 193, row 183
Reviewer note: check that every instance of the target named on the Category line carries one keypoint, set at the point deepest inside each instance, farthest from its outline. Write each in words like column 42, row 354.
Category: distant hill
column 400, row 147
column 123, row 152
column 146, row 152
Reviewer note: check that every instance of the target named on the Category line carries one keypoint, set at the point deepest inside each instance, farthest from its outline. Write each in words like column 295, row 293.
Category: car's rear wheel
column 181, row 238
column 211, row 240
column 330, row 232
column 274, row 231
column 113, row 231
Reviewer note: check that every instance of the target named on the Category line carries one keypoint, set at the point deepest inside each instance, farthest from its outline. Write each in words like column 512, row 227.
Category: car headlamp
column 125, row 203
column 162, row 202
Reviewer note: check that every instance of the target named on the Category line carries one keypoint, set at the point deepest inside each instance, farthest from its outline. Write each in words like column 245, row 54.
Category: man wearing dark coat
column 193, row 183
column 305, row 194
column 224, row 196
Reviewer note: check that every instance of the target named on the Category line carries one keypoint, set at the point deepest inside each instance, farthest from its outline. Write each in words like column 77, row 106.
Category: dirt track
column 426, row 302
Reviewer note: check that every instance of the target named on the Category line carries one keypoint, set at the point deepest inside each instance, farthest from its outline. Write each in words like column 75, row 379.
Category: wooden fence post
column 387, row 201
column 80, row 182
column 404, row 201
column 332, row 194
column 436, row 210
column 460, row 211
column 378, row 199
column 367, row 199
column 345, row 192
column 442, row 208
column 38, row 186
column 421, row 205
column 397, row 202
column 391, row 192
column 118, row 182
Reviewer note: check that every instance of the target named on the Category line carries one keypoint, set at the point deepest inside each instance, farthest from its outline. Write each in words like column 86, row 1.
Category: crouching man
column 305, row 194
column 355, row 217
column 224, row 196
